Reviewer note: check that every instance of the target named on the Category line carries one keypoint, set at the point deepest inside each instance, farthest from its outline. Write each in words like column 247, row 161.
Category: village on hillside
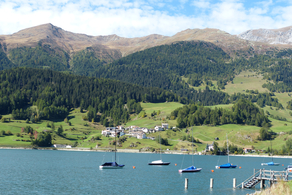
column 134, row 131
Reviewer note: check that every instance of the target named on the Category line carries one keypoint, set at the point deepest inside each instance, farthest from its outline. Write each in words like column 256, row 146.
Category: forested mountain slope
column 168, row 63
column 55, row 93
column 164, row 66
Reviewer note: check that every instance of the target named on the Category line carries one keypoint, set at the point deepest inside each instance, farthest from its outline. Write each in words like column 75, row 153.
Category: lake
column 73, row 172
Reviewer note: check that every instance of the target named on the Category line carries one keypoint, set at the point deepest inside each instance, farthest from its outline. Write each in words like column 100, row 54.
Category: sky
column 137, row 18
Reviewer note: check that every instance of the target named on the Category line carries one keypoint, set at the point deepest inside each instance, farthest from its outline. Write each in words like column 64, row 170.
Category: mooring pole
column 186, row 183
column 262, row 184
column 211, row 182
column 234, row 182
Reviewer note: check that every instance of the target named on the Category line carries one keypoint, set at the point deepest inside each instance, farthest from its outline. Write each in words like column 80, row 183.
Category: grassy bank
column 280, row 188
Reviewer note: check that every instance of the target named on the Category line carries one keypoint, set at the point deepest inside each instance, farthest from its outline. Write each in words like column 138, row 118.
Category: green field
column 81, row 131
column 148, row 121
column 246, row 80
column 73, row 132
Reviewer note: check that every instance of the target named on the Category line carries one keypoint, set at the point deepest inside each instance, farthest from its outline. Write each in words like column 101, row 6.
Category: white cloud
column 133, row 18
column 201, row 4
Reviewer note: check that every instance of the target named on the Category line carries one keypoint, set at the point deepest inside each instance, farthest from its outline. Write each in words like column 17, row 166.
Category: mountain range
column 113, row 47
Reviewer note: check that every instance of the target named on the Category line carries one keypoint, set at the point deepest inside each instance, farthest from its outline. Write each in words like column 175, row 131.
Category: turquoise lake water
column 72, row 172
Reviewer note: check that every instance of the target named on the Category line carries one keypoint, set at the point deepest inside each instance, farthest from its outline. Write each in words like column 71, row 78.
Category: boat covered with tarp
column 227, row 165
column 270, row 164
column 111, row 165
column 190, row 169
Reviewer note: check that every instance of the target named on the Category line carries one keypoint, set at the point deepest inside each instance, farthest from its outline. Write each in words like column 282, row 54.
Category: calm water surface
column 70, row 172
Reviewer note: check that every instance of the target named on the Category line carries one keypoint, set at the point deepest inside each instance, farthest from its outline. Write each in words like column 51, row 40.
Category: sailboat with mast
column 227, row 165
column 191, row 168
column 112, row 165
column 159, row 162
column 272, row 162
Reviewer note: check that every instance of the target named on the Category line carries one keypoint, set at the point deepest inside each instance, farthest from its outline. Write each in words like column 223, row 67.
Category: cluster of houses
column 210, row 147
column 134, row 131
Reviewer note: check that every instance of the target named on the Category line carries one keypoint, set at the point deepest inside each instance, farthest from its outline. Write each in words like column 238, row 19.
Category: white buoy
column 234, row 182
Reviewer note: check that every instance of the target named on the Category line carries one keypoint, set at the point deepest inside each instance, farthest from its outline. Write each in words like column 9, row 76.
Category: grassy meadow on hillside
column 82, row 131
column 252, row 81
column 74, row 132
column 246, row 80
column 150, row 122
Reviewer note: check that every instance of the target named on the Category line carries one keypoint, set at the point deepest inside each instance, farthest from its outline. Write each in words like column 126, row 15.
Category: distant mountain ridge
column 118, row 47
column 271, row 36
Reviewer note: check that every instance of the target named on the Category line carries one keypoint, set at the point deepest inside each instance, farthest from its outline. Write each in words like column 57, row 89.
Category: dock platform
column 260, row 176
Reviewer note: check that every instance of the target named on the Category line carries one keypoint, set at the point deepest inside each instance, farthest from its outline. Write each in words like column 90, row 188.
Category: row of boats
column 115, row 165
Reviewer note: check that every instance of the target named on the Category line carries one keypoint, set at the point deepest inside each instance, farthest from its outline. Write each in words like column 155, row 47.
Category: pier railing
column 265, row 175
column 242, row 184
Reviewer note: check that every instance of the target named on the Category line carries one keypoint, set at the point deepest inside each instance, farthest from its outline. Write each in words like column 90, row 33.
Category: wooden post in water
column 186, row 183
column 234, row 182
column 262, row 184
column 211, row 182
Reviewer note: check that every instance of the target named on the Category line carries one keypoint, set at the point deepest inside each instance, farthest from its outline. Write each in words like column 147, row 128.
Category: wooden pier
column 260, row 176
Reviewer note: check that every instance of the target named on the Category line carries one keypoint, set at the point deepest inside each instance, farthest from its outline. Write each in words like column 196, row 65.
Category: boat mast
column 227, row 147
column 272, row 151
column 115, row 143
column 160, row 145
column 192, row 147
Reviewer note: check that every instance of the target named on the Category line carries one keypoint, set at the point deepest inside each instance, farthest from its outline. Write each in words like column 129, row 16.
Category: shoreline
column 133, row 151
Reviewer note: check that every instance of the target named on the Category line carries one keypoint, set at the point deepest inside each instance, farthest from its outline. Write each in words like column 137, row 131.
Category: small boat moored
column 190, row 170
column 270, row 164
column 158, row 162
column 289, row 168
column 227, row 165
column 111, row 165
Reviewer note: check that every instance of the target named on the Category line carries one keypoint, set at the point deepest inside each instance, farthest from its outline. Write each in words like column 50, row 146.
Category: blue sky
column 136, row 18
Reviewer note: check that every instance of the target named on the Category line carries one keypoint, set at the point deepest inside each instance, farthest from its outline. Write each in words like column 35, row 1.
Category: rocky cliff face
column 271, row 36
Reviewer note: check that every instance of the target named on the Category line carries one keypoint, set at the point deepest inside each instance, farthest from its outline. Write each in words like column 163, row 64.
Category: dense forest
column 243, row 112
column 164, row 66
column 175, row 67
column 5, row 63
column 55, row 93
column 40, row 57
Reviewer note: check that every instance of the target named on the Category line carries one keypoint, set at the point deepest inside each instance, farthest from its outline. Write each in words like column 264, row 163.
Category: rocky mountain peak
column 271, row 36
